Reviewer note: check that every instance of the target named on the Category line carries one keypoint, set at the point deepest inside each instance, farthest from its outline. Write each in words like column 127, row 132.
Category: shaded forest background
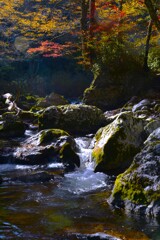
column 63, row 46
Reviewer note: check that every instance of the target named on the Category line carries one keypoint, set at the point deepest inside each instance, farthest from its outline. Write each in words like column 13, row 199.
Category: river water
column 67, row 207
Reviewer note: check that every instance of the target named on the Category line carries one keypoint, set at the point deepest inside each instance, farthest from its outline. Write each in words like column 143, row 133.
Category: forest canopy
column 97, row 33
column 26, row 24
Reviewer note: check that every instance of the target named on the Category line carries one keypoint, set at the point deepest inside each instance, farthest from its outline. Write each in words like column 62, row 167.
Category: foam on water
column 84, row 179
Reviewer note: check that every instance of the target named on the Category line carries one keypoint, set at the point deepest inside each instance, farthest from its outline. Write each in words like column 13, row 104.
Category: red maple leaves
column 50, row 49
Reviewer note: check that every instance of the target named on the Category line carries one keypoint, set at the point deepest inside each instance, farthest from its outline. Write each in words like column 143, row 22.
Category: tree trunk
column 149, row 33
column 153, row 13
column 92, row 25
column 84, row 27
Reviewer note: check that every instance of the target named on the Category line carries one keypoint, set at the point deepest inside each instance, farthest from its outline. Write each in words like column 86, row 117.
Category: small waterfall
column 85, row 146
column 84, row 179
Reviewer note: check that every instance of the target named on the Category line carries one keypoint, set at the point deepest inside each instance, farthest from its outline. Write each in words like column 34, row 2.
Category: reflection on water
column 66, row 206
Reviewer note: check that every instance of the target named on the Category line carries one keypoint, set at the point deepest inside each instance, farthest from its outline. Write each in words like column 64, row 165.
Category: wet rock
column 28, row 116
column 117, row 143
column 140, row 183
column 95, row 236
column 69, row 157
column 27, row 102
column 142, row 105
column 12, row 126
column 52, row 145
column 50, row 135
column 151, row 126
column 72, row 118
column 157, row 108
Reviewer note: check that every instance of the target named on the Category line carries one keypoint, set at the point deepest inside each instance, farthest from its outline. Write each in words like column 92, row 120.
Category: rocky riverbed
column 107, row 163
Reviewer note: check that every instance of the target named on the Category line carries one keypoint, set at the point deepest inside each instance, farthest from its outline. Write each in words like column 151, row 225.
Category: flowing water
column 66, row 207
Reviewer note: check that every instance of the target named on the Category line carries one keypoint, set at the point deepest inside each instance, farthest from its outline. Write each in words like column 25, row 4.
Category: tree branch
column 152, row 12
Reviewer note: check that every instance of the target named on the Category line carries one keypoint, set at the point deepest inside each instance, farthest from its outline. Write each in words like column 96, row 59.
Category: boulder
column 27, row 102
column 138, row 188
column 11, row 126
column 52, row 99
column 72, row 118
column 142, row 105
column 105, row 97
column 117, row 143
column 69, row 157
column 94, row 236
column 51, row 145
column 28, row 116
column 112, row 87
column 151, row 126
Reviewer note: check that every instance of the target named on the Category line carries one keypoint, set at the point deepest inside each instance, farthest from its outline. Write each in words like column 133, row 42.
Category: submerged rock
column 117, row 143
column 33, row 177
column 72, row 118
column 138, row 188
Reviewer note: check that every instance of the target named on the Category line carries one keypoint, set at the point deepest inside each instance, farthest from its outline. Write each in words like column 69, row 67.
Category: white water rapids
column 84, row 179
column 81, row 180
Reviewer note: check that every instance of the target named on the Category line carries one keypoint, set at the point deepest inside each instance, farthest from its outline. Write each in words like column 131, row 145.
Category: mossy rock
column 103, row 98
column 69, row 157
column 12, row 126
column 47, row 136
column 157, row 108
column 28, row 116
column 140, row 183
column 31, row 99
column 72, row 118
column 151, row 126
column 15, row 129
column 51, row 145
column 36, row 109
column 52, row 99
column 27, row 102
column 117, row 143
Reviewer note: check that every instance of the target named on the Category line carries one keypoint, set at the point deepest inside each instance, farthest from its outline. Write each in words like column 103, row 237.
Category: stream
column 71, row 206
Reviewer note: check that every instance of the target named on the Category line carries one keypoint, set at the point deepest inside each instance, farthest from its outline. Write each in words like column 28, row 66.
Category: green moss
column 131, row 189
column 131, row 186
column 152, row 195
column 1, row 127
column 98, row 155
column 50, row 135
column 113, row 154
column 31, row 99
column 36, row 109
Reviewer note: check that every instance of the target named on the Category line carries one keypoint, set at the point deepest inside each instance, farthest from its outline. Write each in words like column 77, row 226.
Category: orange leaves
column 50, row 49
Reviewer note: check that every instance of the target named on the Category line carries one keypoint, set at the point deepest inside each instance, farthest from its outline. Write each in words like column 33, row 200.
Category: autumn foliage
column 51, row 49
